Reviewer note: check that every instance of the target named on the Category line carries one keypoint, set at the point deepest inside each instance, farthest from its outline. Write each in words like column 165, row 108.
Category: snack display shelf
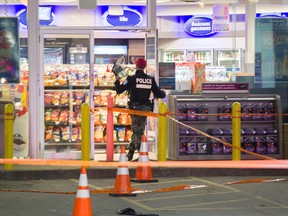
column 66, row 88
column 261, row 134
column 78, row 145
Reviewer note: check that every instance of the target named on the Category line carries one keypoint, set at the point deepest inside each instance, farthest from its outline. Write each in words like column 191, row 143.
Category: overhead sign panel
column 199, row 27
column 130, row 17
column 221, row 18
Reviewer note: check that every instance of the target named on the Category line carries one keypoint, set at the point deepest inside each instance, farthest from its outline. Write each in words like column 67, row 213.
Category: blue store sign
column 199, row 27
column 130, row 17
column 46, row 16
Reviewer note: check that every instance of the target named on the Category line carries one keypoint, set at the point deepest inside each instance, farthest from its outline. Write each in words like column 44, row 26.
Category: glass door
column 67, row 66
column 173, row 56
column 202, row 56
column 228, row 58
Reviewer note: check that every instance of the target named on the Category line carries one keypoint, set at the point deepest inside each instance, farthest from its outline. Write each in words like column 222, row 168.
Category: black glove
column 130, row 211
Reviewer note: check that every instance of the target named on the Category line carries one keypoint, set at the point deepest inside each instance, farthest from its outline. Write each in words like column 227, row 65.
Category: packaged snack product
column 64, row 98
column 121, row 100
column 65, row 134
column 64, row 116
column 78, row 118
column 123, row 118
column 128, row 134
column 115, row 117
column 48, row 133
column 96, row 98
column 103, row 116
column 104, row 97
column 56, row 98
column 129, row 121
column 97, row 120
column 79, row 98
column 47, row 117
column 79, row 134
column 55, row 115
column 74, row 135
column 56, row 134
column 120, row 133
column 48, row 98
column 114, row 135
column 98, row 134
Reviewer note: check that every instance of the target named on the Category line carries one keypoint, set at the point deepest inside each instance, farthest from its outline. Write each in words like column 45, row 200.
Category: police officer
column 139, row 88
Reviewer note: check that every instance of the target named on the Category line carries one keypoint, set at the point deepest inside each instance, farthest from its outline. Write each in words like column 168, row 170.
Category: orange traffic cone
column 143, row 172
column 82, row 206
column 122, row 185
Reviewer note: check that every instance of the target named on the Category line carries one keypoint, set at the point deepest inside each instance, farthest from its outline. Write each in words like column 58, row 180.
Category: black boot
column 130, row 155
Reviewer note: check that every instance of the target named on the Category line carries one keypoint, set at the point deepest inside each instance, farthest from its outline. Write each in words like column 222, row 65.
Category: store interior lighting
column 3, row 80
column 116, row 10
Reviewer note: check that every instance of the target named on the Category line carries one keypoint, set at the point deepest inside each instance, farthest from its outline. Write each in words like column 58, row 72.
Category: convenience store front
column 72, row 41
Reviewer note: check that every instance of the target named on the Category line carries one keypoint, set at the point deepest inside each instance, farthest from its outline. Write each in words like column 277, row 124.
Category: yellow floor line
column 272, row 202
column 183, row 196
column 217, row 184
column 215, row 208
column 204, row 204
column 89, row 185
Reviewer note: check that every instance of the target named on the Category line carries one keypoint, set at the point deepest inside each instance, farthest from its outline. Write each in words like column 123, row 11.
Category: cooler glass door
column 202, row 56
column 173, row 55
column 227, row 58
column 66, row 87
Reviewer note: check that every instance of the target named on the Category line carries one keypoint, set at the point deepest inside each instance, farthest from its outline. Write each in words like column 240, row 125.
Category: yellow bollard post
column 8, row 134
column 162, row 128
column 85, row 132
column 236, row 130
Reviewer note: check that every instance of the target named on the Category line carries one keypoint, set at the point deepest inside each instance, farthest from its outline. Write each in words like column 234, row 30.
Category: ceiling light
column 201, row 4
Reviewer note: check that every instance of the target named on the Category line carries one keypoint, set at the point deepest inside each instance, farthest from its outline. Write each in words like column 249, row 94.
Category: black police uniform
column 139, row 88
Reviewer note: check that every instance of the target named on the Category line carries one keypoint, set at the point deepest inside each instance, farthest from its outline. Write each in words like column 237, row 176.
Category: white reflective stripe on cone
column 83, row 181
column 122, row 158
column 143, row 147
column 83, row 194
column 143, row 158
column 122, row 171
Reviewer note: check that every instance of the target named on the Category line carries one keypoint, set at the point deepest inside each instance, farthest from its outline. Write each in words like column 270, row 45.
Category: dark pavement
column 215, row 199
column 50, row 190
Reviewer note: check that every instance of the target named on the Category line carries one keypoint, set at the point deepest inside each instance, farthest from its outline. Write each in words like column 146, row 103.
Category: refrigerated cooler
column 229, row 58
column 202, row 56
column 173, row 55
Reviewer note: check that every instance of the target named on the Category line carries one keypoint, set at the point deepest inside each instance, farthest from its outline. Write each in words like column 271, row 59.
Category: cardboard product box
column 199, row 78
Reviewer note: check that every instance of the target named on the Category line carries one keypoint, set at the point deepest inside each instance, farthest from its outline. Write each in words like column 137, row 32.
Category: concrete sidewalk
column 31, row 172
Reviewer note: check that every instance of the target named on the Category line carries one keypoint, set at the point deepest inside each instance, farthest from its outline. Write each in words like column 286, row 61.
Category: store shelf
column 67, row 87
column 104, row 87
column 262, row 136
column 62, row 108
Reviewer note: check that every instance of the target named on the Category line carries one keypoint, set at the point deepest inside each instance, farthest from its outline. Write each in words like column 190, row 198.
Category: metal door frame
column 56, row 32
column 35, row 39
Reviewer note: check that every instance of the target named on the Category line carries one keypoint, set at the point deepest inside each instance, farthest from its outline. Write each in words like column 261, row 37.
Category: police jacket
column 139, row 87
